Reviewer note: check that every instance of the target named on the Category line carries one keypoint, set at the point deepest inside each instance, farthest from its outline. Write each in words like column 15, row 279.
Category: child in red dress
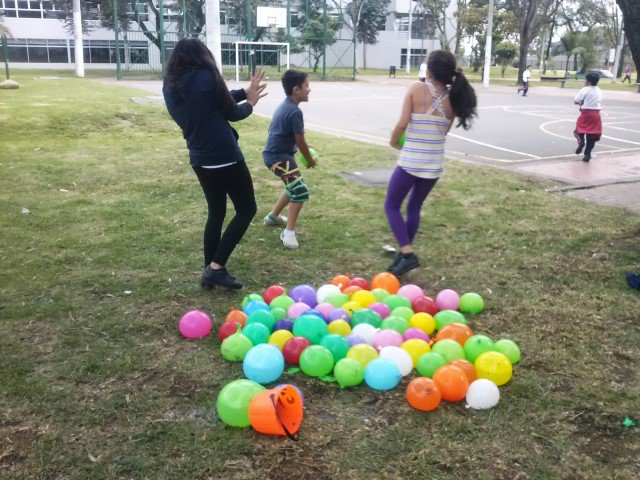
column 589, row 126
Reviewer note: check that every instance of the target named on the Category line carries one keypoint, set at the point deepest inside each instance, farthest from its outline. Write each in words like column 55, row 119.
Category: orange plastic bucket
column 277, row 411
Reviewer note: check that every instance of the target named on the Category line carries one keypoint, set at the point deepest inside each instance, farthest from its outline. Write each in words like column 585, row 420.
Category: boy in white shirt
column 525, row 81
column 589, row 124
column 422, row 73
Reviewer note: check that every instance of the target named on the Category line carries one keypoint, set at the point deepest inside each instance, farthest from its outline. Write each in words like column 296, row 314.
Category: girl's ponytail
column 463, row 99
column 442, row 66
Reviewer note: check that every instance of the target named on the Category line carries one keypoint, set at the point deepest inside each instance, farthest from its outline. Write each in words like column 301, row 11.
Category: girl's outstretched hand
column 255, row 88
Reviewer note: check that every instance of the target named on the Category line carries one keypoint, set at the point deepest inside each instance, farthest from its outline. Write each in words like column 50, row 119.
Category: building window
column 417, row 54
column 56, row 51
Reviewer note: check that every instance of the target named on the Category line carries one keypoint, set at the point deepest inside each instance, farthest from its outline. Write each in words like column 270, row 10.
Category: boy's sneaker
column 289, row 240
column 408, row 262
column 211, row 278
column 274, row 221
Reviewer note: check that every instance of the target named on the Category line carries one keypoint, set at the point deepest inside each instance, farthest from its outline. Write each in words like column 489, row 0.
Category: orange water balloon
column 452, row 382
column 236, row 316
column 467, row 366
column 387, row 281
column 340, row 281
column 423, row 394
column 458, row 332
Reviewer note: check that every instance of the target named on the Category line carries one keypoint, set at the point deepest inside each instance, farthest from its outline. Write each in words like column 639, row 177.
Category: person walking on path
column 627, row 73
column 199, row 101
column 526, row 75
column 428, row 111
column 422, row 73
column 589, row 125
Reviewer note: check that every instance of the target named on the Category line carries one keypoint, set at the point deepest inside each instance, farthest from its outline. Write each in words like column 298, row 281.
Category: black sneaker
column 579, row 149
column 396, row 261
column 408, row 262
column 211, row 278
column 586, row 158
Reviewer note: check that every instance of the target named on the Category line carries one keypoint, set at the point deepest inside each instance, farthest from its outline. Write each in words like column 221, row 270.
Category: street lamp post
column 487, row 48
column 408, row 65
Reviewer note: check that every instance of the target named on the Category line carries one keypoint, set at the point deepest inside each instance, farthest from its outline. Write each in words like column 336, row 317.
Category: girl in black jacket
column 198, row 100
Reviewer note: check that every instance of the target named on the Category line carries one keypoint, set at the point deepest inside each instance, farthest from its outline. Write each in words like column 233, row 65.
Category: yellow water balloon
column 495, row 366
column 340, row 327
column 415, row 347
column 364, row 298
column 362, row 353
column 280, row 337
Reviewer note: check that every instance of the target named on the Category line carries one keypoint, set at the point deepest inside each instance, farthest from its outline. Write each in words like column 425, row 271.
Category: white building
column 41, row 40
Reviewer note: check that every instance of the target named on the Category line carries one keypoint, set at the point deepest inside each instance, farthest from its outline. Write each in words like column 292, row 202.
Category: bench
column 550, row 79
column 571, row 76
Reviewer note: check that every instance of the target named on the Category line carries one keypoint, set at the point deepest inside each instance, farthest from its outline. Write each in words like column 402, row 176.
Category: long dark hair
column 190, row 53
column 442, row 66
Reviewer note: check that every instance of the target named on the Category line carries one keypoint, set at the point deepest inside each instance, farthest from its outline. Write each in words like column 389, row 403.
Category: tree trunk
column 526, row 27
column 364, row 55
column 631, row 16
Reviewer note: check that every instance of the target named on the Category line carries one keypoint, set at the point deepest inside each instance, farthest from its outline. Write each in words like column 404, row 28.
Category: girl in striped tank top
column 428, row 111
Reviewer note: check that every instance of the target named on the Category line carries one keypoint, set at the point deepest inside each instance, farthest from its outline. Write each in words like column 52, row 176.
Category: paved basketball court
column 530, row 134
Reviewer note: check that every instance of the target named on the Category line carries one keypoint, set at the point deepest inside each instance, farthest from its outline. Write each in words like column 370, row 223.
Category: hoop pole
column 237, row 62
column 117, row 34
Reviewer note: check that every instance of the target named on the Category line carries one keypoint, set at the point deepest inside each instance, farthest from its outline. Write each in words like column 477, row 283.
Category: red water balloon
column 227, row 329
column 358, row 282
column 272, row 292
column 293, row 348
column 425, row 304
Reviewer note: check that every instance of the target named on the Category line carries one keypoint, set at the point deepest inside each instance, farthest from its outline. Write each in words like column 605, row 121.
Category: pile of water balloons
column 353, row 331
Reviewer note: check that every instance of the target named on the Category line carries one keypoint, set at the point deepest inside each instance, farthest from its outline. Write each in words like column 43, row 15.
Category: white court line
column 492, row 146
column 622, row 128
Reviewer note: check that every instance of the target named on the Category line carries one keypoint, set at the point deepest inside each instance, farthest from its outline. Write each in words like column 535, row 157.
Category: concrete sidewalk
column 613, row 181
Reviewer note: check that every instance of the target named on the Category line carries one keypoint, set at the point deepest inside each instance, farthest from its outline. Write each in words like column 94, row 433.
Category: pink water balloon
column 297, row 309
column 325, row 308
column 413, row 332
column 410, row 291
column 380, row 308
column 447, row 300
column 194, row 324
column 386, row 338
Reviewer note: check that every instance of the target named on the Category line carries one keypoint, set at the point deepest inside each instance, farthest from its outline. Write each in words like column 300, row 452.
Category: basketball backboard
column 271, row 17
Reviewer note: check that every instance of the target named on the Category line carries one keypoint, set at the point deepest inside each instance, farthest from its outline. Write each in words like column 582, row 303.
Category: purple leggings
column 400, row 185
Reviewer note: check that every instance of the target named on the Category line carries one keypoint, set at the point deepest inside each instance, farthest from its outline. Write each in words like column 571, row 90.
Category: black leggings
column 590, row 143
column 217, row 183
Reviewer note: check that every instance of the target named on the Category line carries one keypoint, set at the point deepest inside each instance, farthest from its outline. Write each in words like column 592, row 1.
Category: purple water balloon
column 304, row 293
column 338, row 314
column 283, row 324
column 354, row 339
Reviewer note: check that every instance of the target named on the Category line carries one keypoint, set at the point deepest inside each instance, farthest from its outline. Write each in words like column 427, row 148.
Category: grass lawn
column 97, row 383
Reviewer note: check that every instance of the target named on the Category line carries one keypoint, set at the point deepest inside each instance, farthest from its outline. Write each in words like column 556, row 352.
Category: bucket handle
column 289, row 435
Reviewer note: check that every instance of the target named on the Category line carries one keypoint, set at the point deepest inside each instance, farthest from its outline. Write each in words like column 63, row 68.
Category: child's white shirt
column 590, row 98
column 423, row 71
column 526, row 75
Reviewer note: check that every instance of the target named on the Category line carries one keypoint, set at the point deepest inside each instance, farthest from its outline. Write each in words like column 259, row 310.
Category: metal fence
column 142, row 49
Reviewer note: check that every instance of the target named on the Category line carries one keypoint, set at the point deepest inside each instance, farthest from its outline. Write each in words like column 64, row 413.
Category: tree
column 88, row 8
column 631, row 16
column 437, row 10
column 366, row 17
column 317, row 34
column 570, row 43
column 530, row 14
column 504, row 53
